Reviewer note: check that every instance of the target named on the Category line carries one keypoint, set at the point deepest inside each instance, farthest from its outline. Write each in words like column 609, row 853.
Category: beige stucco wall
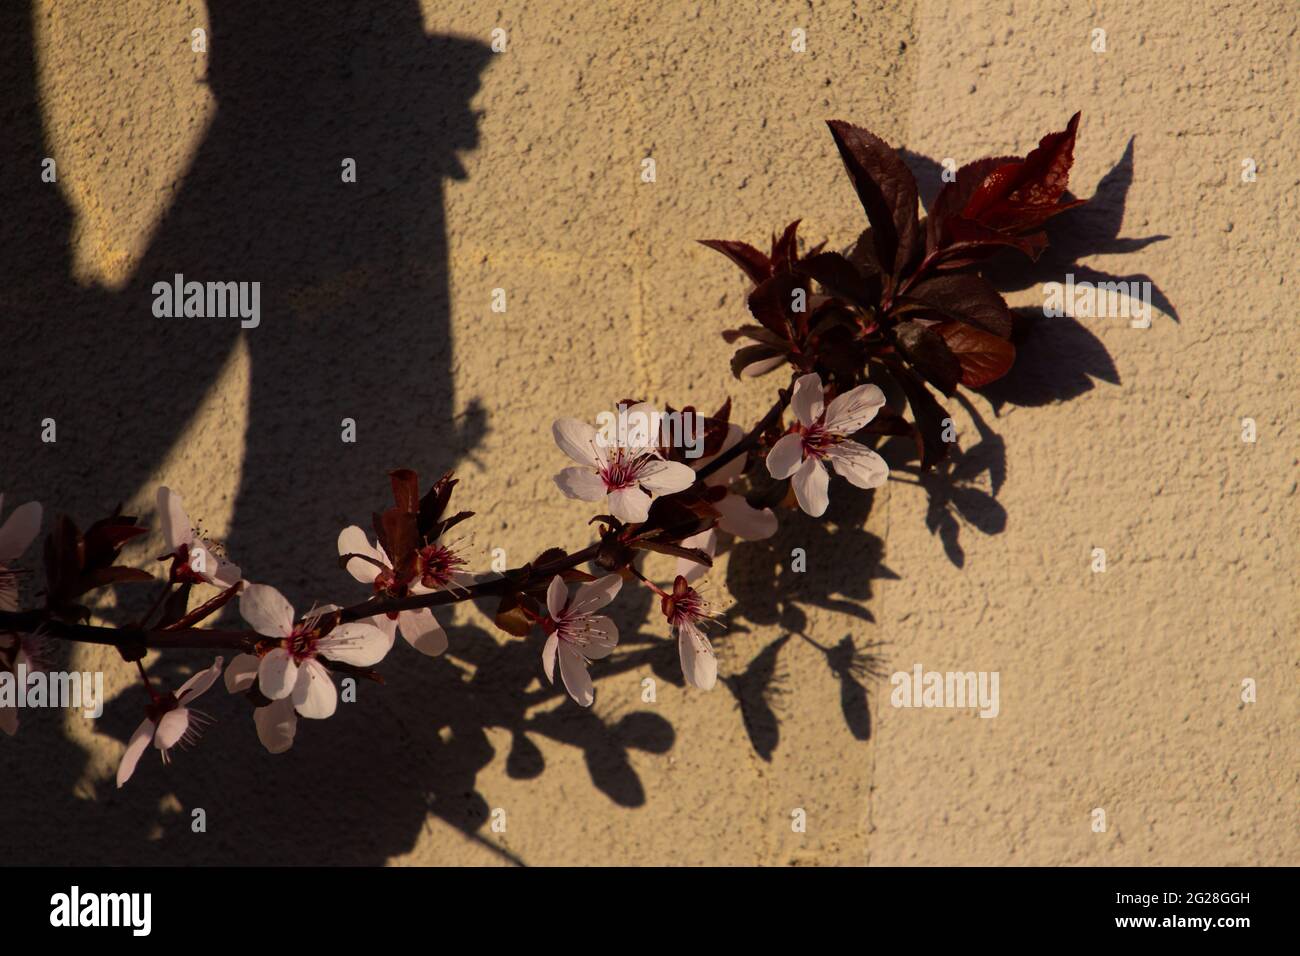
column 1119, row 690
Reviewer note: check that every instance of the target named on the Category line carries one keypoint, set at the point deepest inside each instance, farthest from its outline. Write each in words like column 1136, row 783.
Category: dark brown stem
column 247, row 640
column 167, row 589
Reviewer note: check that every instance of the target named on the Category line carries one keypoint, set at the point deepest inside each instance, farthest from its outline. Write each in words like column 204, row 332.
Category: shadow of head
column 348, row 66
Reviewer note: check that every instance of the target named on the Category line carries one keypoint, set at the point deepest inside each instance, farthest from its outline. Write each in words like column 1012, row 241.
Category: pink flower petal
column 548, row 656
column 785, row 457
column 557, row 595
column 706, row 541
column 276, row 725
column 810, row 487
column 358, row 643
column 388, row 625
column 266, row 610
column 732, row 469
column 422, row 631
column 763, row 366
column 200, row 682
column 643, row 429
column 600, row 637
column 277, row 674
column 573, row 668
column 171, row 728
column 859, row 464
column 806, row 401
column 314, row 693
column 595, row 594
column 22, row 525
column 226, row 575
column 175, row 522
column 666, row 477
column 738, row 518
column 353, row 540
column 848, row 412
column 699, row 666
column 581, row 483
column 134, row 751
column 629, row 505
column 9, row 720
column 577, row 440
column 241, row 673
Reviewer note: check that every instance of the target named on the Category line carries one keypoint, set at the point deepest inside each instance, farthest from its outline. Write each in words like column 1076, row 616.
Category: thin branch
column 749, row 441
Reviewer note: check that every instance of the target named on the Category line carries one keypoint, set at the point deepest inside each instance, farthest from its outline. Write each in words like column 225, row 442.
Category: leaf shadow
column 777, row 581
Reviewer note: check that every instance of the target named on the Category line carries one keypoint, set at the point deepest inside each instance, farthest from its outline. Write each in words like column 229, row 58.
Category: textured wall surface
column 520, row 170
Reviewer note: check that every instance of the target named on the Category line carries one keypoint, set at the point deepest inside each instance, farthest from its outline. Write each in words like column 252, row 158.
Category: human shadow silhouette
column 354, row 325
column 354, row 293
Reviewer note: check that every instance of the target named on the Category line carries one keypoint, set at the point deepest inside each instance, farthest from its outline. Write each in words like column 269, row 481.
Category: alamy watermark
column 635, row 426
column 1099, row 300
column 73, row 909
column 209, row 300
column 78, row 690
column 955, row 689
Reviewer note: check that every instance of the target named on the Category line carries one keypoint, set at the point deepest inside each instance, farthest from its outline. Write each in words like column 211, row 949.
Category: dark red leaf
column 887, row 422
column 984, row 358
column 840, row 277
column 758, row 334
column 672, row 518
column 755, row 265
column 756, row 360
column 887, row 191
column 772, row 302
column 440, row 528
column 400, row 538
column 101, row 577
column 723, row 414
column 511, row 616
column 785, row 250
column 434, row 503
column 968, row 242
column 204, row 610
column 954, row 196
column 63, row 557
column 105, row 538
column 676, row 550
column 1021, row 195
column 965, row 297
column 863, row 255
column 406, row 490
column 549, row 556
column 176, row 605
column 715, row 433
column 929, row 417
column 929, row 354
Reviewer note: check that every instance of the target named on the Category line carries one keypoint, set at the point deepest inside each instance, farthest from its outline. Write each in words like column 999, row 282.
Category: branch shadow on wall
column 826, row 563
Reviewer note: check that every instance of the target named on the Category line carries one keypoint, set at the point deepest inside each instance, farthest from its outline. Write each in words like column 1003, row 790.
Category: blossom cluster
column 862, row 334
